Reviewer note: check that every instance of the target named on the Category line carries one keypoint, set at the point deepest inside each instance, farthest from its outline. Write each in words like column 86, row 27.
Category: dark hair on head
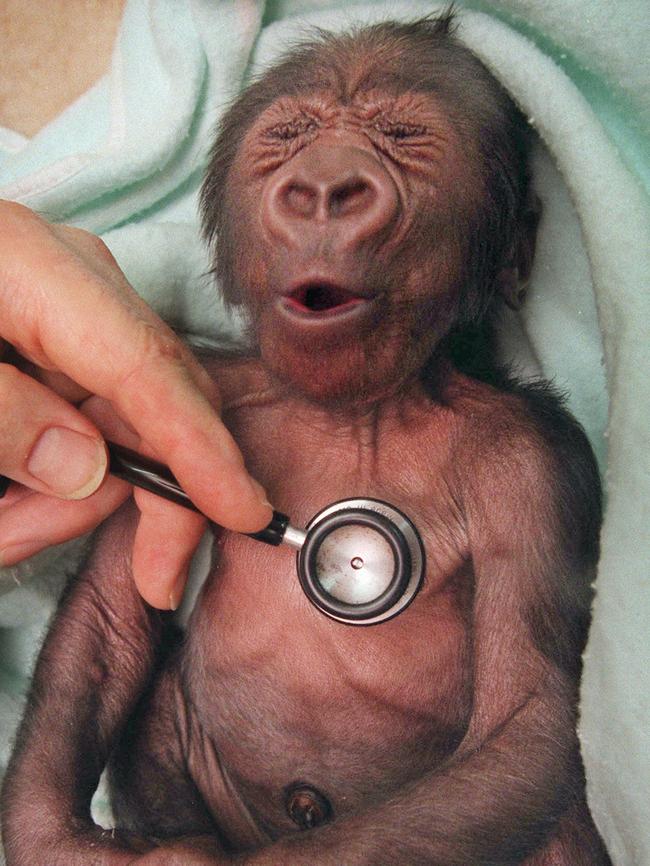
column 417, row 56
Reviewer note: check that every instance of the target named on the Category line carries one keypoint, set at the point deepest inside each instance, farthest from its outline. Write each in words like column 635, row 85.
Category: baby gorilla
column 368, row 198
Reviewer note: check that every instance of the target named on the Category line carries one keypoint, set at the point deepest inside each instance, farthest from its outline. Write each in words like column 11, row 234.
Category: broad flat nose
column 325, row 189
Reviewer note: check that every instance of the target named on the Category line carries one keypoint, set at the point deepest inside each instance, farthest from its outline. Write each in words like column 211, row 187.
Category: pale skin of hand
column 77, row 329
column 75, row 334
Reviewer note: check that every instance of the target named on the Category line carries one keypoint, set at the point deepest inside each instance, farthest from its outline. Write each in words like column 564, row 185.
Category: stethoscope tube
column 359, row 561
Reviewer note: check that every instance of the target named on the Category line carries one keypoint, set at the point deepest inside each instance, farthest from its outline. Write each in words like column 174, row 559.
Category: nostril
column 350, row 197
column 299, row 199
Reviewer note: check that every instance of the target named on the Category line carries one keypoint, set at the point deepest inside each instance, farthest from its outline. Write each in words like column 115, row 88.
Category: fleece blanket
column 125, row 161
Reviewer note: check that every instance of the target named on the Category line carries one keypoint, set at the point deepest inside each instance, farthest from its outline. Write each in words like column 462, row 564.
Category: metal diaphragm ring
column 362, row 561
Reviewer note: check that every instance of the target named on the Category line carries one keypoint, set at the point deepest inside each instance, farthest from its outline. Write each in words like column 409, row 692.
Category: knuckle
column 90, row 243
column 155, row 348
column 159, row 344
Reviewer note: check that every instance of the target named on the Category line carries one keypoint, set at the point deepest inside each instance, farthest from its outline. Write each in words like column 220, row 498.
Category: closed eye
column 290, row 129
column 399, row 131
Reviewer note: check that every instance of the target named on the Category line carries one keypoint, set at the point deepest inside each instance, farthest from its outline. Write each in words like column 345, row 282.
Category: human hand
column 78, row 337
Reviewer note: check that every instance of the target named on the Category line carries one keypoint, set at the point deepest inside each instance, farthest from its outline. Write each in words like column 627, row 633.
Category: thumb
column 45, row 443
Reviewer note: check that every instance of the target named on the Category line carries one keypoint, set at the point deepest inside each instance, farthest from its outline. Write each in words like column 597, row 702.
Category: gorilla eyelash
column 400, row 131
column 290, row 130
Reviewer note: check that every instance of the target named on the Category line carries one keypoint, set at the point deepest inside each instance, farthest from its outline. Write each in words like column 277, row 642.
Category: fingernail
column 71, row 464
column 176, row 594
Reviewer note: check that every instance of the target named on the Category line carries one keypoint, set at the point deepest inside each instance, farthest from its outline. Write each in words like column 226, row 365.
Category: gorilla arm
column 93, row 667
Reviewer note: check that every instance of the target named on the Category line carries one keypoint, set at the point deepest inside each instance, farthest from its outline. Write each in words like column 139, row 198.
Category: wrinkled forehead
column 386, row 60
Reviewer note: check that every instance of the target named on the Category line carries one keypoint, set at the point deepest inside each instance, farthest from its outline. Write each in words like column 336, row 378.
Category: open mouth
column 322, row 299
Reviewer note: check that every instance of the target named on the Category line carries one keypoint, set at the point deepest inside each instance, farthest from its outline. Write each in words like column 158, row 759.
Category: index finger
column 87, row 322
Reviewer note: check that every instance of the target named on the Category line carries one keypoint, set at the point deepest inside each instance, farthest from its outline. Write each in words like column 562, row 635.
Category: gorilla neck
column 363, row 401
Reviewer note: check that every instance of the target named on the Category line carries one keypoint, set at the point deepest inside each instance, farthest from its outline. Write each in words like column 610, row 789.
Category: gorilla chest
column 288, row 695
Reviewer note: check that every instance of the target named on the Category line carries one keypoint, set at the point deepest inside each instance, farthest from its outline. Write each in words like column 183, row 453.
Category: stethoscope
column 359, row 561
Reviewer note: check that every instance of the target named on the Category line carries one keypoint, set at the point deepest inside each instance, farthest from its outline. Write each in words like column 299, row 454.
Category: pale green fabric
column 126, row 160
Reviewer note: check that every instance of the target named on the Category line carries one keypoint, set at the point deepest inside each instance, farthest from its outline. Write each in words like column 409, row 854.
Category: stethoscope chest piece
column 362, row 561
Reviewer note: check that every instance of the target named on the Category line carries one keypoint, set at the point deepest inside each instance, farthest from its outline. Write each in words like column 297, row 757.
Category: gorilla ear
column 510, row 287
column 512, row 280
